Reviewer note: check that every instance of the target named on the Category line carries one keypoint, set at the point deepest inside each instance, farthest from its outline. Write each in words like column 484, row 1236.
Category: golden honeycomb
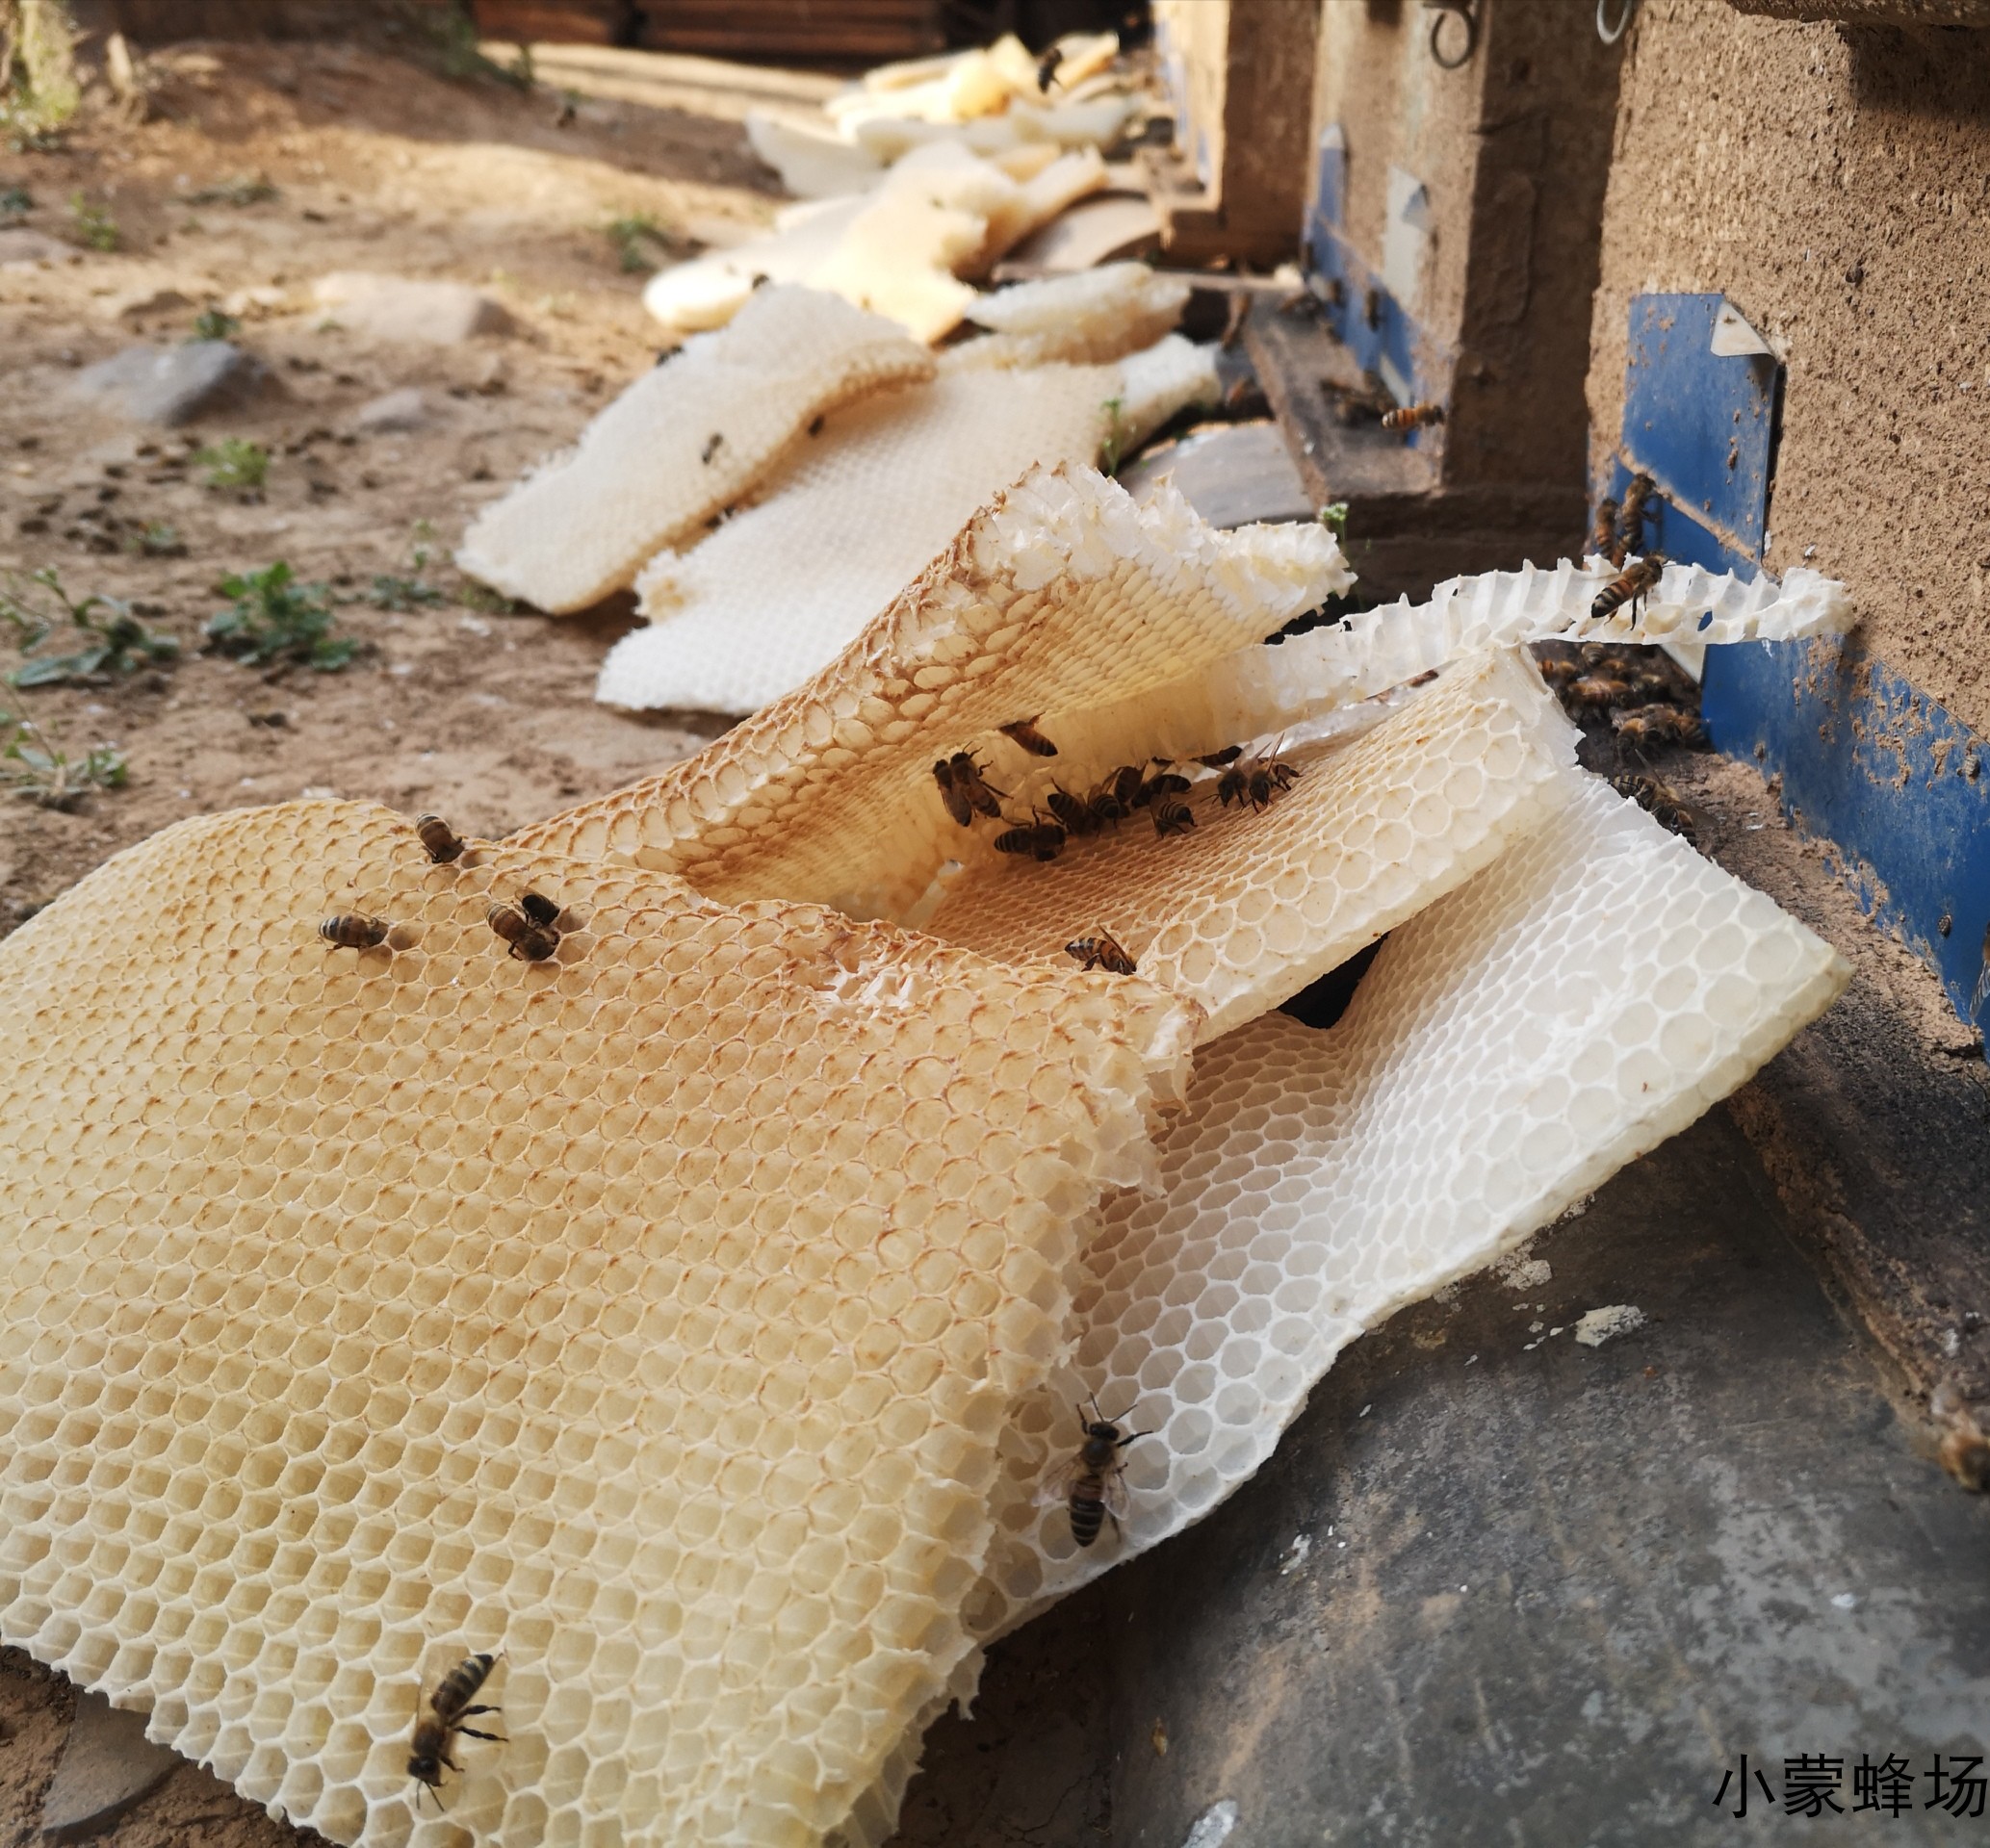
column 1059, row 595
column 649, row 1314
column 783, row 588
column 1592, row 992
column 689, row 437
column 1246, row 909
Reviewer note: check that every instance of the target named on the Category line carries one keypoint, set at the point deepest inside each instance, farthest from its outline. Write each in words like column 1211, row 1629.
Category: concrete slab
column 1231, row 474
column 106, row 1765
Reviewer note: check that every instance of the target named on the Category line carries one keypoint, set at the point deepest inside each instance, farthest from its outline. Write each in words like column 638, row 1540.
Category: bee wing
column 1054, row 1490
column 1115, row 1496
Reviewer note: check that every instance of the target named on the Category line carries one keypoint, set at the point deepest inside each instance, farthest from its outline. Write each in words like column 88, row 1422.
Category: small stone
column 21, row 248
column 108, row 1765
column 439, row 314
column 169, row 385
column 1599, row 1325
column 406, row 409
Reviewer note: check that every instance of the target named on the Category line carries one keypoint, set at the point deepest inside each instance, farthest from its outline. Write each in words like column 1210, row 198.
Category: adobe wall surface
column 1512, row 150
column 1834, row 182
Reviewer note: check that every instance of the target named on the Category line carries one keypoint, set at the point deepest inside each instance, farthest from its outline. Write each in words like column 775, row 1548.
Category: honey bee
column 1630, row 525
column 530, row 942
column 542, row 913
column 1046, row 70
column 439, row 838
column 1595, row 692
column 1218, row 759
column 1124, row 785
column 1412, row 417
column 1101, row 951
column 1964, row 1450
column 1037, row 838
column 1638, row 580
column 1269, row 777
column 1658, row 800
column 1558, row 670
column 1090, row 1485
column 1078, row 815
column 714, row 443
column 1371, row 307
column 965, row 791
column 1603, row 534
column 1023, row 732
column 350, row 931
column 1172, row 816
column 1163, row 782
column 1658, row 725
column 448, row 1706
column 1106, row 803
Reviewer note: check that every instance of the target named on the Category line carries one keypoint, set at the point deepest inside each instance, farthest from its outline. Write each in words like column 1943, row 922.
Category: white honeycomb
column 1591, row 993
column 1059, row 594
column 781, row 589
column 1247, row 909
column 813, row 159
column 1075, row 123
column 707, row 291
column 687, row 439
column 1261, row 691
column 650, row 1315
column 938, row 214
column 1083, row 319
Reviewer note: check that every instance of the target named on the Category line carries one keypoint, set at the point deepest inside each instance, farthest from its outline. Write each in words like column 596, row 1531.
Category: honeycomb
column 1060, row 593
column 926, row 220
column 688, row 438
column 1242, row 912
column 781, row 589
column 708, row 290
column 1158, row 381
column 1260, row 691
column 649, row 1314
column 1083, row 319
column 1591, row 993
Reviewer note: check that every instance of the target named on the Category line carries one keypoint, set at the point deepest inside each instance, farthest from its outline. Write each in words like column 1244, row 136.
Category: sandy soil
column 378, row 164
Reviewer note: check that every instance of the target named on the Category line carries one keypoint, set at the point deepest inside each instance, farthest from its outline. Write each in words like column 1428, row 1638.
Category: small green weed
column 234, row 465
column 390, row 592
column 157, row 539
column 1112, row 450
column 242, row 189
column 114, row 640
column 15, row 202
column 275, row 618
column 46, row 773
column 1334, row 518
column 211, row 323
column 640, row 242
column 481, row 597
column 39, row 90
column 94, row 224
column 452, row 40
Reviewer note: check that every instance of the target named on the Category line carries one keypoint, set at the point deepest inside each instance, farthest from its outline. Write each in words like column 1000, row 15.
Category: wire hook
column 1609, row 34
column 1469, row 12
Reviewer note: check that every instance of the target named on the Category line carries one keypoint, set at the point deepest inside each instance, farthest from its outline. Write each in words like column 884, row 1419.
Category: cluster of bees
column 1645, row 701
column 530, row 928
column 1155, row 785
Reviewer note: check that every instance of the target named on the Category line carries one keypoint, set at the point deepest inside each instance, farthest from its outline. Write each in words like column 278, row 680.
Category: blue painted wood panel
column 1865, row 761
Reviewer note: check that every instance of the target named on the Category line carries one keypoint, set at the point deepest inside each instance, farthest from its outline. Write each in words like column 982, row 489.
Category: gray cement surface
column 1497, row 1587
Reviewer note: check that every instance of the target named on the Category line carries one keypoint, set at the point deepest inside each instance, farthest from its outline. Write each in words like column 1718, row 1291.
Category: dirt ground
column 377, row 164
